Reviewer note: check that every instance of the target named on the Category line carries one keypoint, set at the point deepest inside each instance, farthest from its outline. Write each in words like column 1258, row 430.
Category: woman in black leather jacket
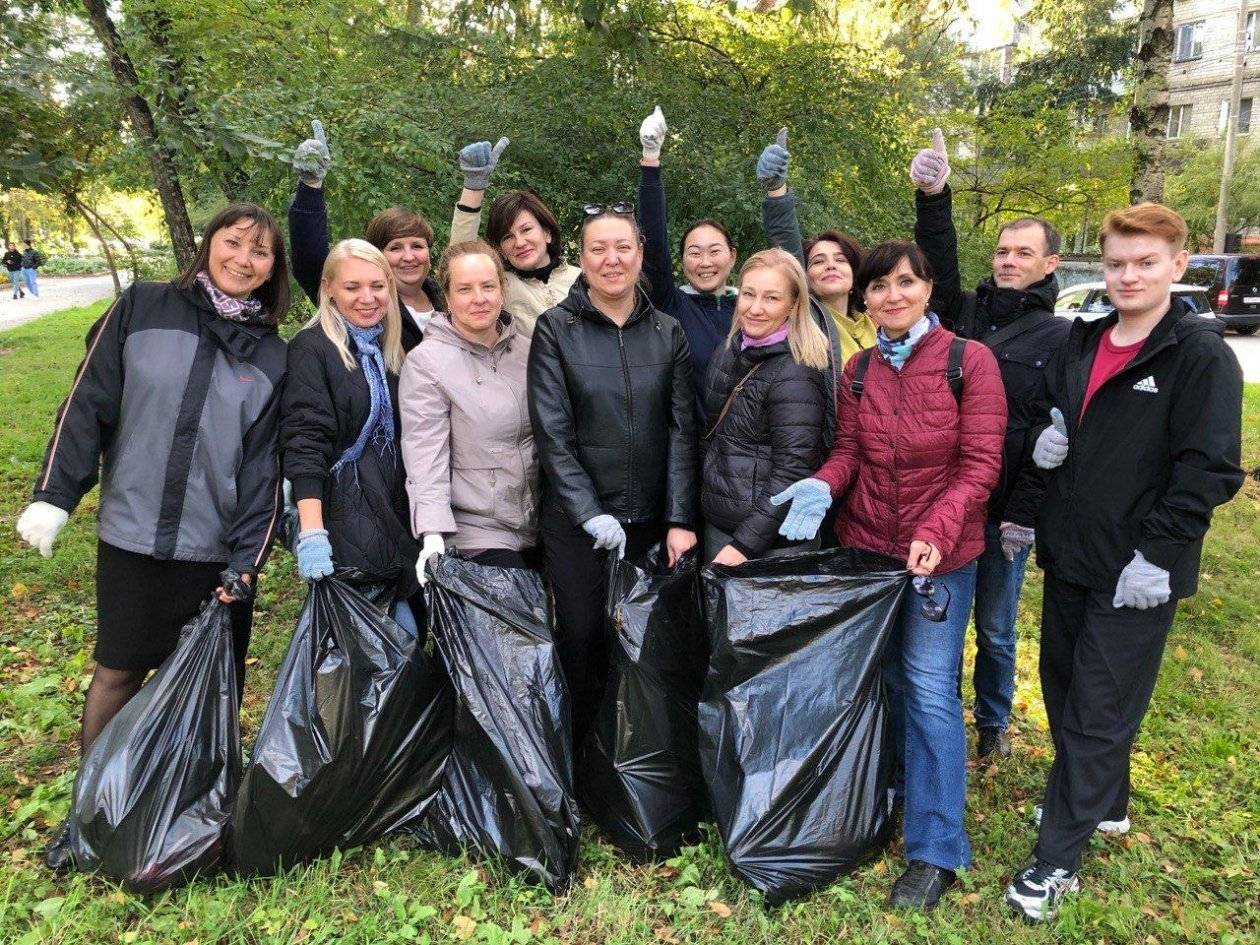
column 613, row 410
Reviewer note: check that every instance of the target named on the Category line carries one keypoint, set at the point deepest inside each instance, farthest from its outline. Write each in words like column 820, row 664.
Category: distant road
column 1248, row 351
column 55, row 294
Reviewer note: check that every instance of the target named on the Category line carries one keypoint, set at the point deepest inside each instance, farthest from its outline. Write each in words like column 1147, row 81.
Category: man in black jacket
column 13, row 265
column 1145, row 443
column 1012, row 312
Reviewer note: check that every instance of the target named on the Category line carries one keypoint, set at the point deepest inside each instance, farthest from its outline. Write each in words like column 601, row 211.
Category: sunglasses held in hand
column 932, row 610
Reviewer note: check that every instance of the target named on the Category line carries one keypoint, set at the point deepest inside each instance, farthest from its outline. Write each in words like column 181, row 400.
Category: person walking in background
column 403, row 236
column 522, row 228
column 918, row 449
column 32, row 259
column 13, row 265
column 766, row 401
column 467, row 443
column 1141, row 441
column 1012, row 313
column 613, row 411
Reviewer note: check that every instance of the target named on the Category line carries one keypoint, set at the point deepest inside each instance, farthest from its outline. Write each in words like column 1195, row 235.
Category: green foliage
column 1194, row 185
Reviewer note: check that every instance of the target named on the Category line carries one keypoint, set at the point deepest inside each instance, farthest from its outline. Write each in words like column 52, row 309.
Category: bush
column 74, row 266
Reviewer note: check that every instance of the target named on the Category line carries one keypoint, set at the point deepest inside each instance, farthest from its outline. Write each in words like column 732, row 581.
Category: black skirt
column 143, row 603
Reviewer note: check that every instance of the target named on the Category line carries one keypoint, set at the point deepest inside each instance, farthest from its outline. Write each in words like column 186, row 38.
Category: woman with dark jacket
column 766, row 406
column 176, row 407
column 613, row 411
column 922, row 418
column 404, row 236
column 340, row 429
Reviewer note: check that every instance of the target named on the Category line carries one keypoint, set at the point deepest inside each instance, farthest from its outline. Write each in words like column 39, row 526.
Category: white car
column 1088, row 300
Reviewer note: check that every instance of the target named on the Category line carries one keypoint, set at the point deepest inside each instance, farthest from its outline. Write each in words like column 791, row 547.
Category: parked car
column 1233, row 286
column 1076, row 268
column 1088, row 300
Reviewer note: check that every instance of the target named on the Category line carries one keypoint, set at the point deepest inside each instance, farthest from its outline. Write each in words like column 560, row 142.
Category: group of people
column 23, row 268
column 517, row 409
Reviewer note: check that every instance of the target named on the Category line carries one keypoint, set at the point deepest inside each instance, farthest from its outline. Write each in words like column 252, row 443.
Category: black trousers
column 1099, row 664
column 578, row 575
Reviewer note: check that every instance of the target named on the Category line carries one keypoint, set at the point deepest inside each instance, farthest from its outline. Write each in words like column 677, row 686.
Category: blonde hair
column 333, row 324
column 806, row 340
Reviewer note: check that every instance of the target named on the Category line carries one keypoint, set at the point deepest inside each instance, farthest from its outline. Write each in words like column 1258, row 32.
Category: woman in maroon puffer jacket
column 915, row 459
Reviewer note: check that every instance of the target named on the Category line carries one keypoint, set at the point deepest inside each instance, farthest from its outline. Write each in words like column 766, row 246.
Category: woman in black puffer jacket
column 766, row 406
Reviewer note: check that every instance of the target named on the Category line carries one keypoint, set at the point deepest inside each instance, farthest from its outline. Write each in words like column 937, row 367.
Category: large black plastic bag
column 508, row 786
column 354, row 739
column 154, row 794
column 638, row 773
column 794, row 736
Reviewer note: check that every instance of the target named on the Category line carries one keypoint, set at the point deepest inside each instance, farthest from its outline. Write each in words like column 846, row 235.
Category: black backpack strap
column 954, row 373
column 858, row 381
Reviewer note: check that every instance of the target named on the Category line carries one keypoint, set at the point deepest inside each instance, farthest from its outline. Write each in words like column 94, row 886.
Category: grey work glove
column 1015, row 538
column 1051, row 448
column 772, row 166
column 1142, row 585
column 608, row 534
column 311, row 159
column 478, row 161
column 652, row 134
column 810, row 499
column 929, row 170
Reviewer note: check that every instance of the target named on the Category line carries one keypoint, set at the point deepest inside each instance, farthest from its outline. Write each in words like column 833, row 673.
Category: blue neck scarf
column 379, row 428
column 896, row 352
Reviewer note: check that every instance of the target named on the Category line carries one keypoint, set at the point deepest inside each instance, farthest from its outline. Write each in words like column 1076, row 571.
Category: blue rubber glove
column 1051, row 448
column 311, row 159
column 478, row 161
column 810, row 500
column 1142, row 585
column 608, row 534
column 772, row 166
column 314, row 554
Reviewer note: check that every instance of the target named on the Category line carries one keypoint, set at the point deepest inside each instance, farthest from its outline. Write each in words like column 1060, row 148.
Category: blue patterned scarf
column 896, row 352
column 379, row 428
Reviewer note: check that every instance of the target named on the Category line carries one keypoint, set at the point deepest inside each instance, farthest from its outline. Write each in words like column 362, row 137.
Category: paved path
column 55, row 293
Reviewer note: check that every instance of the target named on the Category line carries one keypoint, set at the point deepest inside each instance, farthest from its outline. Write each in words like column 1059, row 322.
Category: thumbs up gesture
column 930, row 168
column 311, row 159
column 652, row 134
column 478, row 161
column 772, row 166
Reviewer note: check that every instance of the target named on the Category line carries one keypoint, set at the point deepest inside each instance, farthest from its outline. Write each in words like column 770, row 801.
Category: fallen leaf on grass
column 1143, row 838
column 720, row 908
column 1149, row 912
column 1196, row 674
column 464, row 927
column 971, row 898
column 1180, row 653
column 1168, row 867
column 666, row 934
column 589, row 882
column 538, row 926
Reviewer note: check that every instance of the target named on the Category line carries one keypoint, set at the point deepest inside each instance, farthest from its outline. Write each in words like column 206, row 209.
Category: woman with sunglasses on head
column 922, row 420
column 613, row 411
column 766, row 402
column 522, row 228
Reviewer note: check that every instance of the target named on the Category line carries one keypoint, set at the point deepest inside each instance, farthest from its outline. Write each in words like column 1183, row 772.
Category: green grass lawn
column 1189, row 870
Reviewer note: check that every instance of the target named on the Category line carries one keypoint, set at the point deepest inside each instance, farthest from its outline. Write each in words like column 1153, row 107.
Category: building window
column 1249, row 38
column 1179, row 120
column 1189, row 41
column 1244, row 116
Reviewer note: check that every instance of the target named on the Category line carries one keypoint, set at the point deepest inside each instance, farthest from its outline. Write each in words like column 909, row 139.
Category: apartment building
column 1202, row 68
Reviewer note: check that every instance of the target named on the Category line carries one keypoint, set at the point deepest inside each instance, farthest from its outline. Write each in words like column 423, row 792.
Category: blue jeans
column 998, row 583
column 921, row 676
column 15, row 276
column 32, row 286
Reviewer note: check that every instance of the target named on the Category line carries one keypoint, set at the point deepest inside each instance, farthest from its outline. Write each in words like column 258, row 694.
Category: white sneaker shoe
column 1038, row 889
column 1114, row 828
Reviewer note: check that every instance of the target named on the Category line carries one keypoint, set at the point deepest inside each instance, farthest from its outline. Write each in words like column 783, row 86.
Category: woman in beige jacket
column 472, row 471
column 523, row 229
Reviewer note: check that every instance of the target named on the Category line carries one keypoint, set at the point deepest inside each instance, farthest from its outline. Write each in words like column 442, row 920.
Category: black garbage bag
column 638, row 772
column 794, row 736
column 507, row 790
column 355, row 737
column 153, row 797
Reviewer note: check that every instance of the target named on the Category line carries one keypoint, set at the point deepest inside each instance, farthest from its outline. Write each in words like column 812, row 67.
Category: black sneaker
column 921, row 886
column 993, row 741
column 58, row 856
column 1038, row 889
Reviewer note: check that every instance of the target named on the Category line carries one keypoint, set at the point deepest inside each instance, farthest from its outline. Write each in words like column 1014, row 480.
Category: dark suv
column 1233, row 284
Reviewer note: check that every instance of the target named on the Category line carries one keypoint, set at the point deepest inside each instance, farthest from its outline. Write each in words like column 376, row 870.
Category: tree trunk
column 131, row 250
column 73, row 200
column 1148, row 115
column 161, row 161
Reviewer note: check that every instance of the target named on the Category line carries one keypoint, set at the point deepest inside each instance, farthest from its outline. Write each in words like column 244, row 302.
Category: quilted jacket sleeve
column 681, row 483
column 308, row 421
column 841, row 466
column 982, row 434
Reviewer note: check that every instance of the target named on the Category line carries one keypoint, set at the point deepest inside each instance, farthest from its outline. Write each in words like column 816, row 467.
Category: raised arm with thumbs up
column 929, row 170
column 311, row 158
column 772, row 165
column 478, row 161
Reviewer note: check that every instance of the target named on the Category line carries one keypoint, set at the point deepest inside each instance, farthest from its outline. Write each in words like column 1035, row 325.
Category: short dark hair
column 1051, row 235
column 882, row 258
column 274, row 293
column 28, row 242
column 692, row 227
column 395, row 222
column 504, row 210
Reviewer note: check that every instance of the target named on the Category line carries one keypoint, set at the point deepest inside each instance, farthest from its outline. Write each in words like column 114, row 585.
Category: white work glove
column 652, row 134
column 1142, row 585
column 39, row 524
column 1014, row 539
column 433, row 545
column 1051, row 448
column 311, row 159
column 608, row 534
column 478, row 161
column 929, row 170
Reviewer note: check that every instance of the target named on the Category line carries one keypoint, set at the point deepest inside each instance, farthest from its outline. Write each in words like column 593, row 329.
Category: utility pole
column 1231, row 126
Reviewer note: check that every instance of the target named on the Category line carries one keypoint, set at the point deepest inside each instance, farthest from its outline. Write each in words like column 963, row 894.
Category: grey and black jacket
column 177, row 411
